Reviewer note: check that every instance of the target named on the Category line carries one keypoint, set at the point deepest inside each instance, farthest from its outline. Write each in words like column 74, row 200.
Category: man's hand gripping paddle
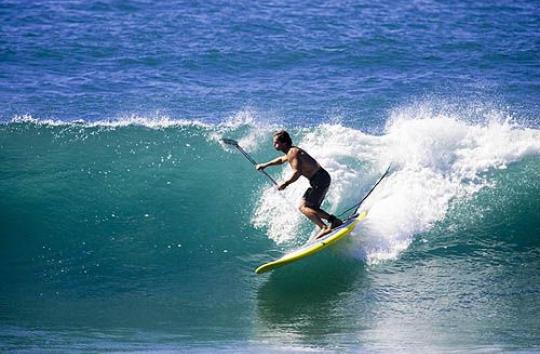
column 252, row 160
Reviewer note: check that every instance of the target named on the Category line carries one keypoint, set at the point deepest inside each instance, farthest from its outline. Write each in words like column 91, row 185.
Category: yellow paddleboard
column 316, row 245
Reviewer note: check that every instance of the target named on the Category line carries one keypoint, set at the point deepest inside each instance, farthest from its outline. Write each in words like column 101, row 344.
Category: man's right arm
column 277, row 161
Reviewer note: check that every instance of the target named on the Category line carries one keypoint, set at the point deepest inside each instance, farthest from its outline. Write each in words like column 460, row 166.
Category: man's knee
column 306, row 210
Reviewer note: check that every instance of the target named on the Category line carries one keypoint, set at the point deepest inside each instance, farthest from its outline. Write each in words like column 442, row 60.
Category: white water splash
column 437, row 157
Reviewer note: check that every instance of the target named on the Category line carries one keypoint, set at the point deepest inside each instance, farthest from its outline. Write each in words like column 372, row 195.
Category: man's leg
column 315, row 215
column 310, row 207
column 334, row 221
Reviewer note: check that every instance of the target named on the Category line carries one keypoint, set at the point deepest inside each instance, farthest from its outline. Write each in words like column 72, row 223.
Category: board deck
column 315, row 245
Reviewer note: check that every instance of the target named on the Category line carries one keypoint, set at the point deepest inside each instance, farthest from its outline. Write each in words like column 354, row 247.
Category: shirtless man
column 303, row 164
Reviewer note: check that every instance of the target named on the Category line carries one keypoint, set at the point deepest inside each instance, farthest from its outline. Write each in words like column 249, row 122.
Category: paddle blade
column 230, row 141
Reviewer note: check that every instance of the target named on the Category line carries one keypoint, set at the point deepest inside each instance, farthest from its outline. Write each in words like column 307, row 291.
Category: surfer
column 303, row 164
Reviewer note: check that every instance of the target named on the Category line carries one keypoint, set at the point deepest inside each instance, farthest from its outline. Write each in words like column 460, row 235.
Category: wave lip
column 157, row 122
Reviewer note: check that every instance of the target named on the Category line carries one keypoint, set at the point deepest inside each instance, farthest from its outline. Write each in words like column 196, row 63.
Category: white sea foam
column 29, row 119
column 436, row 158
column 153, row 122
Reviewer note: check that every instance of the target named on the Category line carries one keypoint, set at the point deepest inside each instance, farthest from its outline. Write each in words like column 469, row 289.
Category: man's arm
column 293, row 159
column 296, row 174
column 277, row 161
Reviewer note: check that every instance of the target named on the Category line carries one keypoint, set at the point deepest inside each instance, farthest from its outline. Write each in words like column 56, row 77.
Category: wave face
column 150, row 220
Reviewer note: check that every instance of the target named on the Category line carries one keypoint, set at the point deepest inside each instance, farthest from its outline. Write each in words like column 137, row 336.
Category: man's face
column 278, row 145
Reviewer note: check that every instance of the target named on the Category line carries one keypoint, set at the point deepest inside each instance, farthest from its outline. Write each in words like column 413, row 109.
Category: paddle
column 235, row 144
column 252, row 160
column 357, row 205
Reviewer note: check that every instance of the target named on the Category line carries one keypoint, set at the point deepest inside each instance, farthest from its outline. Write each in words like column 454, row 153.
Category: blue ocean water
column 127, row 226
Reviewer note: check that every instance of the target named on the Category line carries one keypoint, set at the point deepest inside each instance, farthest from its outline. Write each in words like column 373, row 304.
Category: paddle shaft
column 252, row 160
column 357, row 205
column 255, row 164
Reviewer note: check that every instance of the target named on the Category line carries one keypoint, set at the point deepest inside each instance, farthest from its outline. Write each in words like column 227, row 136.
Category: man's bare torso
column 302, row 162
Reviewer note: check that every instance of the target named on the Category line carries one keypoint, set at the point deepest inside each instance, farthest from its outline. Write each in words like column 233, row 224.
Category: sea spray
column 438, row 157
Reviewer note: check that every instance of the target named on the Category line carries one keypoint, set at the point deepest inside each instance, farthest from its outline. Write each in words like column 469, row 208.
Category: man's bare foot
column 324, row 231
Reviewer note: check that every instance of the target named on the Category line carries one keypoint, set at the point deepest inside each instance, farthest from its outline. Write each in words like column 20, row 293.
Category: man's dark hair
column 283, row 137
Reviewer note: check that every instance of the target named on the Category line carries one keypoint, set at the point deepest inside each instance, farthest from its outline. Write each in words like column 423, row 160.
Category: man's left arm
column 296, row 174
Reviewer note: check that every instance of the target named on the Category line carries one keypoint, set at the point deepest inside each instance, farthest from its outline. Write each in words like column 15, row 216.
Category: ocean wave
column 438, row 157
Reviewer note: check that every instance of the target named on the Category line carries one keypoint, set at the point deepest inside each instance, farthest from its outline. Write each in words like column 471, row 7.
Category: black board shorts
column 319, row 182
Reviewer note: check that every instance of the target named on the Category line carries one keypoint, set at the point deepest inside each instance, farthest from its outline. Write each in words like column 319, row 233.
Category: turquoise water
column 127, row 226
column 126, row 237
